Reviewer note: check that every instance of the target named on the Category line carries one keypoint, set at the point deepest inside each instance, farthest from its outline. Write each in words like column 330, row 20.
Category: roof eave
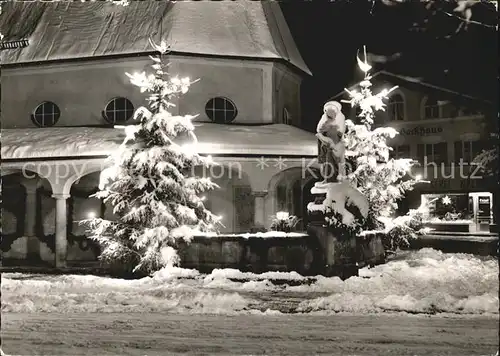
column 146, row 53
column 415, row 81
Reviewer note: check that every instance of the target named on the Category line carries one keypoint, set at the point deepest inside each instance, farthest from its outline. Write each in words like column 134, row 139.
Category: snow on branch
column 461, row 10
column 382, row 179
column 151, row 182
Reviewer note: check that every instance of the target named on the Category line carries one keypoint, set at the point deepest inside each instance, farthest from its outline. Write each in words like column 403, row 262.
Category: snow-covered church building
column 62, row 95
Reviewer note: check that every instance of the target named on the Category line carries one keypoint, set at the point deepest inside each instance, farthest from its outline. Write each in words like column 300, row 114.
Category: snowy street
column 155, row 334
column 420, row 303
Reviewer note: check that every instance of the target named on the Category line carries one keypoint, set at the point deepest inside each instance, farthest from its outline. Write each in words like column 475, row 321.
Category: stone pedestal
column 370, row 248
column 339, row 252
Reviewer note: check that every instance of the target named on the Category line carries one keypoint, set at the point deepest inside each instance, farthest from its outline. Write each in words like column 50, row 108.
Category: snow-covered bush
column 283, row 221
column 401, row 230
column 150, row 182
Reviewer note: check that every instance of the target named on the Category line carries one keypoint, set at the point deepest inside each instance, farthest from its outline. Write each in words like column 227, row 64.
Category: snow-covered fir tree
column 150, row 183
column 382, row 179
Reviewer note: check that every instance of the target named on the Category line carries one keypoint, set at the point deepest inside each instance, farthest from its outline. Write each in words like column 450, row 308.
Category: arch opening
column 291, row 192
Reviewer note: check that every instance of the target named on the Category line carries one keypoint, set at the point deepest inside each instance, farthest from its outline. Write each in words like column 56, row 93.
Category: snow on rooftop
column 59, row 142
column 214, row 139
column 254, row 29
column 275, row 139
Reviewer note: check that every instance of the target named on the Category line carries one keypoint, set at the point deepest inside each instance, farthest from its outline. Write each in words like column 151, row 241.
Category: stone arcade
column 62, row 96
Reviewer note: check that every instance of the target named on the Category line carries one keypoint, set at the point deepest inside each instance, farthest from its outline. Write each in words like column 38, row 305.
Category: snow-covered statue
column 341, row 205
column 331, row 148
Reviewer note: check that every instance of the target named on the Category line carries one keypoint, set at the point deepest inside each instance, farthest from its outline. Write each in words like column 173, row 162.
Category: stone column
column 33, row 243
column 260, row 210
column 61, row 242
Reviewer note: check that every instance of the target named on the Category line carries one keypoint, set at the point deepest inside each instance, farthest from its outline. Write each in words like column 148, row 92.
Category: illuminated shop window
column 448, row 207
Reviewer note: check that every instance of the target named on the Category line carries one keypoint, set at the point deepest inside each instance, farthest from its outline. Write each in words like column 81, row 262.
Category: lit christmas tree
column 151, row 183
column 381, row 179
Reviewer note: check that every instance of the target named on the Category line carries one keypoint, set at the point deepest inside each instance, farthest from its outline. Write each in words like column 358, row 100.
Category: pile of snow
column 229, row 273
column 170, row 273
column 76, row 293
column 263, row 235
column 425, row 281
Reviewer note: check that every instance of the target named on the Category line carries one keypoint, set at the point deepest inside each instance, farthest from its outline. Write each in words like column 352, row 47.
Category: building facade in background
column 62, row 95
column 443, row 131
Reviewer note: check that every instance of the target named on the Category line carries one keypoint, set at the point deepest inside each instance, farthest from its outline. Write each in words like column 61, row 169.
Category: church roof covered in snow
column 214, row 139
column 70, row 30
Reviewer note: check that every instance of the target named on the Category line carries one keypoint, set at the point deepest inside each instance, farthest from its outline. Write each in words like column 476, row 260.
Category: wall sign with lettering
column 421, row 131
column 485, row 200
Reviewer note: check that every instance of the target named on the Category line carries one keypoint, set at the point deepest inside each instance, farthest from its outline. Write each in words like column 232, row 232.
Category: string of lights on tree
column 383, row 180
column 151, row 182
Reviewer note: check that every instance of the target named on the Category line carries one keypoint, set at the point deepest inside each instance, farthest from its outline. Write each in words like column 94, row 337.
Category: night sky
column 329, row 35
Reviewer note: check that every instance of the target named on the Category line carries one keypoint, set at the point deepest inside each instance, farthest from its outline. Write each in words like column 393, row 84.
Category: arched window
column 396, row 108
column 46, row 114
column 221, row 110
column 118, row 110
column 431, row 108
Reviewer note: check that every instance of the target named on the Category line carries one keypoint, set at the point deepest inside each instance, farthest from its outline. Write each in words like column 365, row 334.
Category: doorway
column 482, row 208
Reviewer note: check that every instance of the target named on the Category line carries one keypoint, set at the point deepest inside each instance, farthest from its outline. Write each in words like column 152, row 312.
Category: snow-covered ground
column 263, row 235
column 425, row 281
